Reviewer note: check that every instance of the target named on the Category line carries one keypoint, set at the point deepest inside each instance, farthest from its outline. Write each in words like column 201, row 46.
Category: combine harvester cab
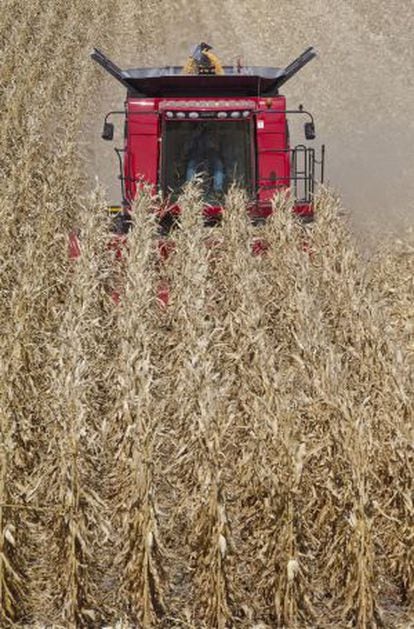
column 226, row 124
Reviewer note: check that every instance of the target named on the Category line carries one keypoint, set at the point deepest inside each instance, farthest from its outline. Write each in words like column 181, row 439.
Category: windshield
column 217, row 152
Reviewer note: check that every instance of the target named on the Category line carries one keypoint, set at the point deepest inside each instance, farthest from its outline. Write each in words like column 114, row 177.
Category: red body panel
column 141, row 145
column 271, row 158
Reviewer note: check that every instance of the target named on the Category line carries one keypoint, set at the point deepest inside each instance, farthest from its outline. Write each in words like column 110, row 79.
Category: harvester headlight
column 170, row 114
column 235, row 114
column 180, row 114
column 222, row 114
column 193, row 114
column 246, row 114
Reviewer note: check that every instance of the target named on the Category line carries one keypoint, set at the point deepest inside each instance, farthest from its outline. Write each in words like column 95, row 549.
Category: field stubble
column 243, row 457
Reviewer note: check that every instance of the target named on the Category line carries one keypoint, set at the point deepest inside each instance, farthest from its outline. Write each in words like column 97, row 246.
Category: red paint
column 163, row 295
column 272, row 157
column 73, row 245
column 145, row 118
column 259, row 246
column 305, row 210
column 117, row 245
column 141, row 145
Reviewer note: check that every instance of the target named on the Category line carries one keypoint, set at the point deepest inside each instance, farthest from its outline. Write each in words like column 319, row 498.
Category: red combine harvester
column 225, row 124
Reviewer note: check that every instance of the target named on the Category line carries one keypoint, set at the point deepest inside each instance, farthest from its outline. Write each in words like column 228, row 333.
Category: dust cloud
column 360, row 88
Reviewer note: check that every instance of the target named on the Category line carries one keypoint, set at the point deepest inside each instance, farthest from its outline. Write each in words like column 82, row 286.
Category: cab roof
column 169, row 81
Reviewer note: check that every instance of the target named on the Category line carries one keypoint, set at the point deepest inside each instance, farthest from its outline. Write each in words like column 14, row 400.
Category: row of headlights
column 192, row 115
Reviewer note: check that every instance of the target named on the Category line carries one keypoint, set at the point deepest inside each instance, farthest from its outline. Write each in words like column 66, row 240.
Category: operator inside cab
column 204, row 156
column 205, row 159
column 214, row 149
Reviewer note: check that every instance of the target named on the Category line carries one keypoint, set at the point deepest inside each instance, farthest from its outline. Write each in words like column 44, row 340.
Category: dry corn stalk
column 273, row 394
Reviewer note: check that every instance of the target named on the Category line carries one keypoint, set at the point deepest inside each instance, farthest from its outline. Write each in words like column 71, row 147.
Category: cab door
column 142, row 149
column 273, row 156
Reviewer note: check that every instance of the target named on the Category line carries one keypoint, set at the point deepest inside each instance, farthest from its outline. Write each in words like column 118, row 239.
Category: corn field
column 240, row 458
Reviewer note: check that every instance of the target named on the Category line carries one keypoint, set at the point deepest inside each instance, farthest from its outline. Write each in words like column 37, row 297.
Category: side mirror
column 108, row 131
column 310, row 133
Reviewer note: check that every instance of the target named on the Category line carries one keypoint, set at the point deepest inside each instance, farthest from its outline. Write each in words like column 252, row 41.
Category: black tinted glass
column 218, row 152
